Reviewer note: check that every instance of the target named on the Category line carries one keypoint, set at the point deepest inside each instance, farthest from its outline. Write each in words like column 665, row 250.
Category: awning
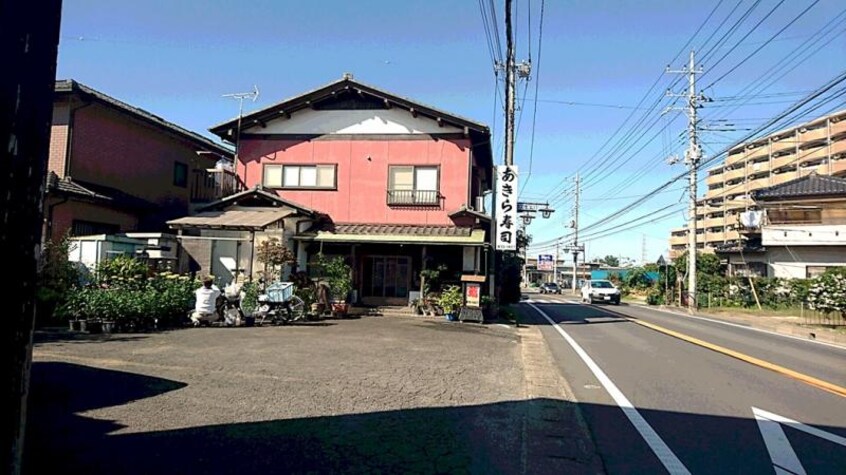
column 397, row 234
column 236, row 219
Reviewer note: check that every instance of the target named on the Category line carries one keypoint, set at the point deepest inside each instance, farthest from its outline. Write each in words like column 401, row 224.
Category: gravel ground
column 371, row 395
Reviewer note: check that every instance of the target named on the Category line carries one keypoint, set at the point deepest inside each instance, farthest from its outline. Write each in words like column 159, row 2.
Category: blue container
column 279, row 292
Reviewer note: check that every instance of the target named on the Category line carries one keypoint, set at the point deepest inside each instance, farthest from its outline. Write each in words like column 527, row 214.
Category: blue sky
column 176, row 59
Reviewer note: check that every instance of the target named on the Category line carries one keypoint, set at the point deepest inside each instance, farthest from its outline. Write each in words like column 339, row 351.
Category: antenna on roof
column 240, row 96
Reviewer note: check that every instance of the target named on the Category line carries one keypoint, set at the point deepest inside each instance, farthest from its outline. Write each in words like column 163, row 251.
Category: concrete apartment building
column 818, row 146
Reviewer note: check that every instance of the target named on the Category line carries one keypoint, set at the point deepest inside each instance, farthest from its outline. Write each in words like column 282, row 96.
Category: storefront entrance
column 386, row 276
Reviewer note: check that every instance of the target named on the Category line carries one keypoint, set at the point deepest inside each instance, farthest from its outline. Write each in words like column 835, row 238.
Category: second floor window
column 300, row 176
column 408, row 185
column 180, row 174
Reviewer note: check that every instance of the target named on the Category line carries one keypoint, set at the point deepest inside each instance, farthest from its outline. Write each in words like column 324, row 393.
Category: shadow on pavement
column 52, row 335
column 533, row 436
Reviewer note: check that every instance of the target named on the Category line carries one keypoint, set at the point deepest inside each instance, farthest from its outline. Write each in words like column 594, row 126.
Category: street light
column 547, row 212
column 527, row 218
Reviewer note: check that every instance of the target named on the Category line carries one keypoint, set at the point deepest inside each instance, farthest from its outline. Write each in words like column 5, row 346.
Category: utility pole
column 643, row 250
column 555, row 265
column 576, row 234
column 510, row 83
column 691, row 158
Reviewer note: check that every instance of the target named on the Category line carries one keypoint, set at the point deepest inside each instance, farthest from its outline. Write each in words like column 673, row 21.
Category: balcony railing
column 212, row 184
column 413, row 197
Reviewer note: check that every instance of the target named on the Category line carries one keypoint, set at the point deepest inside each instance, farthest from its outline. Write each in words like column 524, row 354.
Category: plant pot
column 450, row 316
column 74, row 325
column 340, row 308
column 83, row 325
column 249, row 320
column 95, row 326
column 108, row 326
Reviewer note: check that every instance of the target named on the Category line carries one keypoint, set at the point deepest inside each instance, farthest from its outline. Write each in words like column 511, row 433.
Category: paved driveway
column 368, row 395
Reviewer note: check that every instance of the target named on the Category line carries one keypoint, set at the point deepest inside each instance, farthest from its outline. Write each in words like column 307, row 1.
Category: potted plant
column 337, row 274
column 451, row 300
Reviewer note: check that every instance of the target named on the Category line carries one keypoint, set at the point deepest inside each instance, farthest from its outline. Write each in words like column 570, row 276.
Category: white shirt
column 206, row 299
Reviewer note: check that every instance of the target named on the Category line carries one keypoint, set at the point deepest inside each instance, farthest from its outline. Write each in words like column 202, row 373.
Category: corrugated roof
column 806, row 186
column 232, row 219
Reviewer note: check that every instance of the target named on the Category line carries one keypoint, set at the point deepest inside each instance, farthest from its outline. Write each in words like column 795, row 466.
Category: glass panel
column 401, row 178
column 292, row 176
column 427, row 179
column 326, row 176
column 402, row 277
column 273, row 176
column 378, row 277
column 308, row 176
column 390, row 277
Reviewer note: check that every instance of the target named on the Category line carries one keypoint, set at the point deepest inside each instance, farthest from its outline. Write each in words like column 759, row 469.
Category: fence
column 813, row 317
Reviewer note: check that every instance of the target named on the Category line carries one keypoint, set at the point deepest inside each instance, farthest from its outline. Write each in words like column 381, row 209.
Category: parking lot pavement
column 363, row 395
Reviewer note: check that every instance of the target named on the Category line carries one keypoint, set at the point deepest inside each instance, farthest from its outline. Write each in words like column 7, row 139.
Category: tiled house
column 393, row 185
column 114, row 167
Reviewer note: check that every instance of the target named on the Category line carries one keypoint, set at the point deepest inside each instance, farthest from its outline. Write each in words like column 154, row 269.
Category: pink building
column 114, row 167
column 393, row 185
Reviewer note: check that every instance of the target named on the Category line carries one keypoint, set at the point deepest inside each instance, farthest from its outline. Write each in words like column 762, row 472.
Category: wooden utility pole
column 29, row 38
column 510, row 84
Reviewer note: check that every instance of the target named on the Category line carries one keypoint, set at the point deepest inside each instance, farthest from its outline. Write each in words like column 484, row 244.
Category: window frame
column 414, row 185
column 316, row 166
column 177, row 165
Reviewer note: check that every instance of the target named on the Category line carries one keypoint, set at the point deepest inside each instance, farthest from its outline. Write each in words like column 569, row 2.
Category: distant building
column 818, row 146
column 800, row 233
column 114, row 167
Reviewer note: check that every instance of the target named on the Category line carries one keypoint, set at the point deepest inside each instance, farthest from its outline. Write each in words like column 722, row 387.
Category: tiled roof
column 810, row 185
column 71, row 86
column 256, row 196
column 399, row 229
column 98, row 193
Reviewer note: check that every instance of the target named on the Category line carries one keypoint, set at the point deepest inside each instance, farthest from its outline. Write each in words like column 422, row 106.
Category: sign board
column 472, row 294
column 506, row 208
column 545, row 262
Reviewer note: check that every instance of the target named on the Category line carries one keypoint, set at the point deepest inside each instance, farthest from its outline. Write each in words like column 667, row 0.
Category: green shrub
column 655, row 297
column 827, row 293
column 451, row 299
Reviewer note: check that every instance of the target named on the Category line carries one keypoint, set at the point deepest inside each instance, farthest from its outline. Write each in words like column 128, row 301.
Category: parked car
column 600, row 291
column 550, row 288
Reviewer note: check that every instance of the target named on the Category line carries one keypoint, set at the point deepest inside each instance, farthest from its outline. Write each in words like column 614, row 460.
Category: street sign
column 506, row 208
column 545, row 262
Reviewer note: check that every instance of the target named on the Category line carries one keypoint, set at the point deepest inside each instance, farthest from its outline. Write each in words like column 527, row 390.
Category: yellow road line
column 810, row 380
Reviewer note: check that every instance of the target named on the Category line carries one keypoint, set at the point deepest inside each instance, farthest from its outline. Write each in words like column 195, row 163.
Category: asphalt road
column 656, row 403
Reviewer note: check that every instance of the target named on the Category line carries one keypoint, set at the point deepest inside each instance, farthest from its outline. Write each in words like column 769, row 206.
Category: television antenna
column 240, row 96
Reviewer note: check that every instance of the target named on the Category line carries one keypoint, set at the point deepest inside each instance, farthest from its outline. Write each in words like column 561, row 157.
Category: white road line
column 799, row 426
column 781, row 452
column 761, row 330
column 658, row 446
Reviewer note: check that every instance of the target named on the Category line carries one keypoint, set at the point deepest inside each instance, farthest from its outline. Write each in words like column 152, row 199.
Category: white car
column 600, row 291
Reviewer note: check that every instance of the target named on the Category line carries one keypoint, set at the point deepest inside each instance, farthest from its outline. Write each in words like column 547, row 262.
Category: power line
column 537, row 85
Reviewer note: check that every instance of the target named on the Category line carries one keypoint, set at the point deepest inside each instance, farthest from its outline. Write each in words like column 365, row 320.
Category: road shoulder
column 556, row 435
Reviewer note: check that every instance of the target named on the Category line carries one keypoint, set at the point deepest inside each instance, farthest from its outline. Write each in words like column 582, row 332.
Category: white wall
column 803, row 235
column 327, row 122
column 791, row 262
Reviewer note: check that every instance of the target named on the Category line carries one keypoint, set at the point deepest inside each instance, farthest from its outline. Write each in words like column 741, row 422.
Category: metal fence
column 813, row 317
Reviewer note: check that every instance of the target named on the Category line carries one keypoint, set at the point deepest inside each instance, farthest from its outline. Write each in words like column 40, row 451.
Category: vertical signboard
column 506, row 208
column 545, row 262
column 472, row 294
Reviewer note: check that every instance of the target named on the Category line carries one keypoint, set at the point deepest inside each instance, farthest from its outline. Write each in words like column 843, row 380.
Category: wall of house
column 362, row 174
column 65, row 213
column 792, row 262
column 59, row 138
column 111, row 148
column 803, row 235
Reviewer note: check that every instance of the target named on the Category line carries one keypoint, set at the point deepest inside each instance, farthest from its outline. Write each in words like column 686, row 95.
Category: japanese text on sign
column 506, row 208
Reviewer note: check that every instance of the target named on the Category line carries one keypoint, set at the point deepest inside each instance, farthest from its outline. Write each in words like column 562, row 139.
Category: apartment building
column 818, row 146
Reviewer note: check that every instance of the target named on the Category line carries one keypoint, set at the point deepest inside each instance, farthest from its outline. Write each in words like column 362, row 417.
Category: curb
column 823, row 335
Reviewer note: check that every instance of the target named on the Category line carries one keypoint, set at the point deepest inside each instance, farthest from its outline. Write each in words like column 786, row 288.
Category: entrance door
column 387, row 276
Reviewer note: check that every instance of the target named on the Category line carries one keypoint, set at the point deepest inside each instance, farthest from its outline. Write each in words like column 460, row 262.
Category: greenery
column 509, row 277
column 451, row 299
column 249, row 301
column 433, row 278
column 304, row 288
column 122, row 271
column 57, row 278
column 828, row 292
column 139, row 302
column 610, row 261
column 274, row 255
column 338, row 275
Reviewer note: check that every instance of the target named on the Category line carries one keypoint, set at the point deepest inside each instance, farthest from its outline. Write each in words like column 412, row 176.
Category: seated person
column 206, row 302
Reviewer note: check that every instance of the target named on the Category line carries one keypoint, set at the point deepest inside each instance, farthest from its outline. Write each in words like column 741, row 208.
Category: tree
column 273, row 254
column 610, row 261
column 706, row 264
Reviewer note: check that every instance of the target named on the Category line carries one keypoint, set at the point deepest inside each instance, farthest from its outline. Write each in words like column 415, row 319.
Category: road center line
column 810, row 380
column 658, row 446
